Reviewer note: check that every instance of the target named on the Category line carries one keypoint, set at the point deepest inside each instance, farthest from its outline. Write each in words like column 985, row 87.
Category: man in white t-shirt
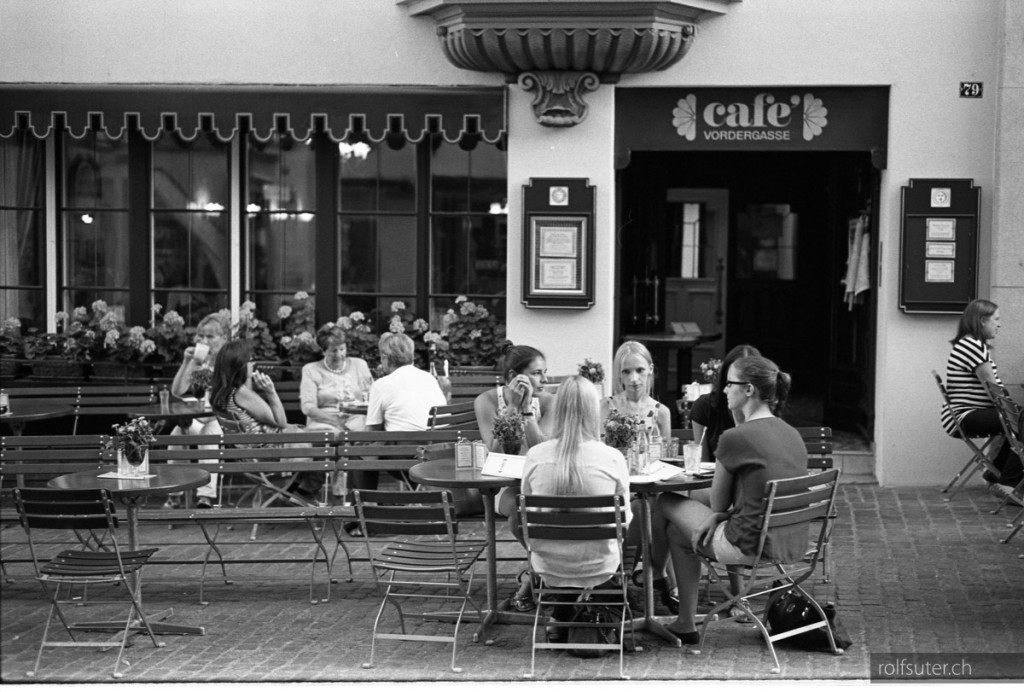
column 402, row 399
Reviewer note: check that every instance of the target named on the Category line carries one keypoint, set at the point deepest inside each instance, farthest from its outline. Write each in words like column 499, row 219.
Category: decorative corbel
column 559, row 98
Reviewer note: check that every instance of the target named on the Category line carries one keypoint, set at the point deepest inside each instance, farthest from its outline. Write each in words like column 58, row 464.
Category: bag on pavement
column 792, row 610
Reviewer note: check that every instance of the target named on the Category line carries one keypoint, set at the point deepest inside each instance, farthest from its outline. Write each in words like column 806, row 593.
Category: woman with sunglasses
column 759, row 449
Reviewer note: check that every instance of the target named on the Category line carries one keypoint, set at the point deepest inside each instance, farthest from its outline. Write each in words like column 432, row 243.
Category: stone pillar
column 585, row 150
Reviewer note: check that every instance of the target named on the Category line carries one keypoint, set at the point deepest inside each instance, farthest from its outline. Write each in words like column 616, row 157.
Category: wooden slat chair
column 461, row 416
column 81, row 510
column 1011, row 417
column 469, row 387
column 575, row 520
column 981, row 457
column 789, row 504
column 441, row 568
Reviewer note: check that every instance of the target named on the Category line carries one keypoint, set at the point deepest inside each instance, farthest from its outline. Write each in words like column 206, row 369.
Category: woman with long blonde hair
column 576, row 462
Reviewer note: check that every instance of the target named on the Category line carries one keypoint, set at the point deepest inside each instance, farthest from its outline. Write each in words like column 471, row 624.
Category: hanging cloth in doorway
column 857, row 279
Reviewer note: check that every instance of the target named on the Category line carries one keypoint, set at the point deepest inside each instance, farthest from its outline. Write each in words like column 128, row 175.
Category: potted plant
column 623, row 430
column 360, row 337
column 165, row 341
column 256, row 331
column 65, row 353
column 131, row 442
column 472, row 334
column 509, row 430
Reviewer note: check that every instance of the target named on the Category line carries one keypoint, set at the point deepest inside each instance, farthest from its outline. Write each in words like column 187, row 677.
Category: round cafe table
column 356, row 408
column 22, row 412
column 131, row 493
column 443, row 473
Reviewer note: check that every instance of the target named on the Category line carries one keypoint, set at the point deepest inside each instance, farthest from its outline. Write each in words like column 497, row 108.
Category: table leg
column 649, row 623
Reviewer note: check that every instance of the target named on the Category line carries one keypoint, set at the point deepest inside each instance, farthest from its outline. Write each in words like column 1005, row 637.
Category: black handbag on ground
column 603, row 621
column 792, row 610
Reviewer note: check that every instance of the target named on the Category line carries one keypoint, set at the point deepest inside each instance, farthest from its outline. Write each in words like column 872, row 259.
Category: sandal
column 523, row 601
column 740, row 615
column 353, row 529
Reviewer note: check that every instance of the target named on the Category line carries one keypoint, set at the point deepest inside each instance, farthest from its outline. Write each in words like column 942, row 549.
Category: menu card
column 504, row 465
column 656, row 471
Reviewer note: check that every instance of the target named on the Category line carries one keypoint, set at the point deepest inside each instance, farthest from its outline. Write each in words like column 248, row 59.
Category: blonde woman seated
column 249, row 400
column 193, row 376
column 632, row 384
column 575, row 462
column 761, row 448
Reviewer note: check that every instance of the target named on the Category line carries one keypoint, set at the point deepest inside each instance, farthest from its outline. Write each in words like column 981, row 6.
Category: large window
column 357, row 225
column 22, row 254
column 95, row 220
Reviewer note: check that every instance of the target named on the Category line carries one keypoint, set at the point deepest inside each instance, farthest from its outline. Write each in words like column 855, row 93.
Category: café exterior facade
column 588, row 169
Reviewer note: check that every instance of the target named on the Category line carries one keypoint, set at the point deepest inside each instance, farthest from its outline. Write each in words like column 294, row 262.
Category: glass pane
column 21, row 234
column 95, row 172
column 396, row 254
column 190, row 175
column 358, row 249
column 358, row 176
column 283, row 250
column 27, row 305
column 488, row 176
column 267, row 305
column 96, row 249
column 22, row 172
column 449, row 178
column 468, row 254
column 282, row 175
column 84, row 297
column 192, row 306
column 398, row 178
column 190, row 251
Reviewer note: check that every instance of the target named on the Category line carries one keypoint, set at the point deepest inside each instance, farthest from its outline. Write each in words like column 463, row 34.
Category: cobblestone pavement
column 913, row 574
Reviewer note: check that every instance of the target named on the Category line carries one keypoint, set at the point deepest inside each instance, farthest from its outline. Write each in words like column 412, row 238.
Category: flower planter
column 121, row 372
column 9, row 369
column 59, row 369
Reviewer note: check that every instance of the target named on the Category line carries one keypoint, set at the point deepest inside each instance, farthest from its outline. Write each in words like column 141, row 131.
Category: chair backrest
column 461, row 415
column 794, row 502
column 417, row 513
column 572, row 517
column 45, row 508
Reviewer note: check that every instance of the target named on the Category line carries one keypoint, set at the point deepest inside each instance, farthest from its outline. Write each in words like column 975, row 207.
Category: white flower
column 147, row 346
column 90, row 334
column 474, row 334
column 109, row 321
column 285, row 340
column 684, row 117
column 156, row 307
column 111, row 338
column 284, row 312
column 247, row 306
column 448, row 318
column 79, row 313
column 468, row 308
column 420, row 325
column 357, row 316
column 301, row 295
column 397, row 305
column 396, row 325
column 61, row 316
column 173, row 319
column 460, row 299
column 304, row 338
column 345, row 323
column 99, row 306
column 482, row 312
column 431, row 337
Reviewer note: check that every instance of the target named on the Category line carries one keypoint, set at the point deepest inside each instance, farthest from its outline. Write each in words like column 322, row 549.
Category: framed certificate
column 558, row 243
column 940, row 229
column 940, row 249
column 936, row 271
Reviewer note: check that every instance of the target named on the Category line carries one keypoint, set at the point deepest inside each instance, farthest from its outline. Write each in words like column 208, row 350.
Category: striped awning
column 371, row 112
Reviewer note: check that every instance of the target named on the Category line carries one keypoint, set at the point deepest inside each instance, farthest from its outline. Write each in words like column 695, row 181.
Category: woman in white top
column 575, row 462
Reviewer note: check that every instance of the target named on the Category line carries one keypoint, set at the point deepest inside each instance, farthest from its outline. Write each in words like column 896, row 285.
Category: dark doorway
column 789, row 228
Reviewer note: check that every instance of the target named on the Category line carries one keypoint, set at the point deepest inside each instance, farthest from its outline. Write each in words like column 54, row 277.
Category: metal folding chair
column 437, row 569
column 461, row 416
column 789, row 504
column 576, row 519
column 81, row 510
column 1011, row 417
column 981, row 457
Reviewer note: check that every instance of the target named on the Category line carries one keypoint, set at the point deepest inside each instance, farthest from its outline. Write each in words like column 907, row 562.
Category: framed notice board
column 558, row 243
column 939, row 245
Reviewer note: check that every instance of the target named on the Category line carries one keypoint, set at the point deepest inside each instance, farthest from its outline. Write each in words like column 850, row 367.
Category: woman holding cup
column 196, row 372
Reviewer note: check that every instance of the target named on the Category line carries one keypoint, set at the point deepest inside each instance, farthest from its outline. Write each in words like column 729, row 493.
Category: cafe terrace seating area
column 912, row 571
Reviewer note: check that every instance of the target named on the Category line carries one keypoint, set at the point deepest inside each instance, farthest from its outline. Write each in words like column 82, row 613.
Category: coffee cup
column 691, row 457
column 199, row 352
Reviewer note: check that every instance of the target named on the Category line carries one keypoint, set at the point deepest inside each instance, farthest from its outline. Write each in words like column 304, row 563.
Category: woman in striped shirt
column 969, row 368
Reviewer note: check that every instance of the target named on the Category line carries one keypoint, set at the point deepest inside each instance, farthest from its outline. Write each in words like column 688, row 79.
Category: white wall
column 566, row 337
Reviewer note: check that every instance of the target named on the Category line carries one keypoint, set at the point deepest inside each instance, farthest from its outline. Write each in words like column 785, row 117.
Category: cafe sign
column 775, row 118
